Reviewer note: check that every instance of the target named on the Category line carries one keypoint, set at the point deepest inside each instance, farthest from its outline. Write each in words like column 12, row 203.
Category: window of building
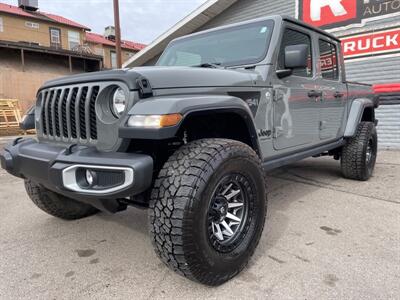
column 113, row 59
column 328, row 60
column 293, row 37
column 32, row 25
column 55, row 37
column 1, row 24
column 99, row 51
column 74, row 39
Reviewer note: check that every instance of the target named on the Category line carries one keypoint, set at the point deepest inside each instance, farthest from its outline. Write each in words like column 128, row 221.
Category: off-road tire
column 57, row 205
column 180, row 201
column 354, row 160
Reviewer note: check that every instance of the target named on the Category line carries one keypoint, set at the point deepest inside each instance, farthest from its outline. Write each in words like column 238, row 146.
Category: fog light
column 90, row 177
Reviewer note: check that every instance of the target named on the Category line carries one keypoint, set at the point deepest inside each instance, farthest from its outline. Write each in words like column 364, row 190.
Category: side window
column 113, row 57
column 73, row 39
column 293, row 37
column 55, row 37
column 328, row 60
column 1, row 24
column 32, row 25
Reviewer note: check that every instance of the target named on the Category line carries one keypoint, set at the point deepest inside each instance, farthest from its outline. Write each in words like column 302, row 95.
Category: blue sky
column 141, row 20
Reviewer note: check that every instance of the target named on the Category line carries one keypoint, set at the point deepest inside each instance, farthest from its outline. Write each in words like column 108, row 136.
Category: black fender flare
column 355, row 114
column 186, row 105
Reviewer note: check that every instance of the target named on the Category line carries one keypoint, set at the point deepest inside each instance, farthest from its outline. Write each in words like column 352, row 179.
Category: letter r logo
column 325, row 13
column 334, row 5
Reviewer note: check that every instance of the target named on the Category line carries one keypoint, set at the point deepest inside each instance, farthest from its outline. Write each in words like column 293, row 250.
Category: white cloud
column 141, row 20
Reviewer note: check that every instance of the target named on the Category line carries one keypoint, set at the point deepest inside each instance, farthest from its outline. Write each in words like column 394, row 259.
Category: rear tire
column 359, row 154
column 57, row 205
column 202, row 185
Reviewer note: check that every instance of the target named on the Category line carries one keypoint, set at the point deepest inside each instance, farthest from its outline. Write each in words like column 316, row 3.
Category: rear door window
column 328, row 60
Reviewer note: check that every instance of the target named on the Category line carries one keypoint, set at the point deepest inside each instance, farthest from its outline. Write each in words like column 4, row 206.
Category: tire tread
column 353, row 164
column 57, row 205
column 171, row 201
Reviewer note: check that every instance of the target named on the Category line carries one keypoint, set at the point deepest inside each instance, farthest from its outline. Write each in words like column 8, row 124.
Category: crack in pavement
column 387, row 164
column 336, row 189
column 312, row 180
column 299, row 257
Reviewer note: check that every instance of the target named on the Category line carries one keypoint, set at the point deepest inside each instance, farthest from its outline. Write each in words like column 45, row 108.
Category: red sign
column 332, row 14
column 327, row 61
column 324, row 12
column 380, row 42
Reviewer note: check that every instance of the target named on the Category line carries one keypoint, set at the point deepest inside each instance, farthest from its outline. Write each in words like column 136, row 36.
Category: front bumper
column 47, row 164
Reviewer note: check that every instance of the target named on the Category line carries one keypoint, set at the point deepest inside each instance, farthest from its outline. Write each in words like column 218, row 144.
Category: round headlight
column 119, row 102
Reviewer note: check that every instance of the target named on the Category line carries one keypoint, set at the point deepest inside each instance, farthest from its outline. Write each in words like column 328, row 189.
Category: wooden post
column 70, row 63
column 23, row 60
column 117, row 34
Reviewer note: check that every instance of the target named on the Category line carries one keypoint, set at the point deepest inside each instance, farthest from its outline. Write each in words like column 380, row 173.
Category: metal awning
column 48, row 50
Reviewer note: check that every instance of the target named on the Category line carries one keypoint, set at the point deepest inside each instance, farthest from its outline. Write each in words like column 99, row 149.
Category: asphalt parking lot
column 325, row 238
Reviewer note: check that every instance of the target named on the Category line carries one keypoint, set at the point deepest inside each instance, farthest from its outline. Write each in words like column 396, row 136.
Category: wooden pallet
column 10, row 116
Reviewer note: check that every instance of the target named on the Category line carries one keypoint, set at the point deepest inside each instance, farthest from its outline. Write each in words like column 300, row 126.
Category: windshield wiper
column 208, row 65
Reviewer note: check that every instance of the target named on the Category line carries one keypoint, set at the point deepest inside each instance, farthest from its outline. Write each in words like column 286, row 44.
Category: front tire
column 57, row 205
column 359, row 154
column 207, row 209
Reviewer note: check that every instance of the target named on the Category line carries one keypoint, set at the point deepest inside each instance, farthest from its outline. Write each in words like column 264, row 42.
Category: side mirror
column 296, row 56
column 28, row 120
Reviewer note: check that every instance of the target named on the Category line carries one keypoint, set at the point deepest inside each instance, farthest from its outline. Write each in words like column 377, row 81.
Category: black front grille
column 43, row 114
column 48, row 112
column 72, row 112
column 64, row 113
column 69, row 113
column 56, row 112
column 92, row 113
column 82, row 113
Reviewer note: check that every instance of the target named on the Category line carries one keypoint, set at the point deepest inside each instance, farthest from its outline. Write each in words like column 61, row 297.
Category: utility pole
column 117, row 34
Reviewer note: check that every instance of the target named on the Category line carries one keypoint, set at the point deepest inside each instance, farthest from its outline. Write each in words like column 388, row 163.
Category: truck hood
column 185, row 77
column 166, row 77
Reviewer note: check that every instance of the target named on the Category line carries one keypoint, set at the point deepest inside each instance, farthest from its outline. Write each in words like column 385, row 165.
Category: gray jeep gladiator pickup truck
column 191, row 138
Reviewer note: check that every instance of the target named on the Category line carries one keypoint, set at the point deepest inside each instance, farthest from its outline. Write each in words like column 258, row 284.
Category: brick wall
column 23, row 85
column 15, row 29
column 105, row 51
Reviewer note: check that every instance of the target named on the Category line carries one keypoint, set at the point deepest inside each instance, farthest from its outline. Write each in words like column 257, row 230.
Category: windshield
column 239, row 45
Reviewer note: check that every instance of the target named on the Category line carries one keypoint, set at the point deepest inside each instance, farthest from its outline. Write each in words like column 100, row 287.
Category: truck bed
column 361, row 90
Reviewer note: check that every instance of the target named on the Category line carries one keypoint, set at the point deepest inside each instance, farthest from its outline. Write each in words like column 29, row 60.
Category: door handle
column 314, row 94
column 338, row 94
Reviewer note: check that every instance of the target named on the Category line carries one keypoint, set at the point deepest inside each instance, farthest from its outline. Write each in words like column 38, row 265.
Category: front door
column 296, row 106
column 334, row 91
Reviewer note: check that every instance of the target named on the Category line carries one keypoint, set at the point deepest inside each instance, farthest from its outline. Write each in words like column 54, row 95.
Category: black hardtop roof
column 276, row 18
column 304, row 24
